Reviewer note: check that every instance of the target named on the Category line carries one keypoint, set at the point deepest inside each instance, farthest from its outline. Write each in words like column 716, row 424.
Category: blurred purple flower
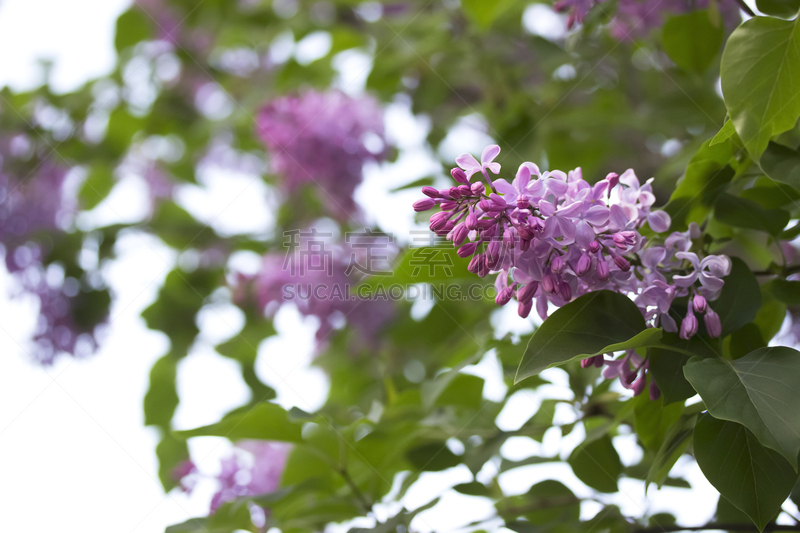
column 324, row 139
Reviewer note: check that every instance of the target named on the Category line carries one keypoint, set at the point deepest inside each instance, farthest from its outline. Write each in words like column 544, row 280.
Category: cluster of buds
column 552, row 236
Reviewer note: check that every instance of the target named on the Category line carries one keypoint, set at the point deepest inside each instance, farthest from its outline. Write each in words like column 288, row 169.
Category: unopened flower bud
column 424, row 204
column 557, row 265
column 639, row 384
column 468, row 249
column 655, row 392
column 713, row 324
column 613, row 179
column 455, row 193
column 431, row 192
column 459, row 175
column 474, row 263
column 565, row 291
column 460, row 233
column 622, row 263
column 594, row 247
column 477, row 188
column 584, row 265
column 524, row 309
column 465, row 190
column 603, row 272
column 525, row 294
column 472, row 221
column 504, row 296
column 699, row 303
column 523, row 202
column 689, row 326
column 550, row 284
column 448, row 205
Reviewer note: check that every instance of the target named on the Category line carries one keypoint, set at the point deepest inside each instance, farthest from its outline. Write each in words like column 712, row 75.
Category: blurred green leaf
column 265, row 421
column 692, row 40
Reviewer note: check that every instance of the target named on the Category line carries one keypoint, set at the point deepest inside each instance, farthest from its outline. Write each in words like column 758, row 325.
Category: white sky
column 74, row 455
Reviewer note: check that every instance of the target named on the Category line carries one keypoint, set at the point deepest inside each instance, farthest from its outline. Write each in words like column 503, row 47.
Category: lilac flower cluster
column 255, row 468
column 325, row 139
column 636, row 18
column 552, row 236
column 318, row 274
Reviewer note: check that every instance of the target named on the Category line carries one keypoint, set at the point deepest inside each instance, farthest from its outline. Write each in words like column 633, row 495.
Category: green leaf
column 465, row 390
column 784, row 290
column 484, row 13
column 760, row 74
column 726, row 132
column 740, row 298
column 753, row 478
column 97, row 185
column 598, row 322
column 746, row 339
column 779, row 8
column 265, row 421
column 707, row 176
column 170, row 452
column 758, row 391
column 666, row 363
column 742, row 213
column 161, row 399
column 422, row 265
column 692, row 40
column 770, row 193
column 597, row 464
column 675, row 443
column 727, row 513
column 416, row 184
column 133, row 26
column 432, row 457
column 653, row 419
column 782, row 164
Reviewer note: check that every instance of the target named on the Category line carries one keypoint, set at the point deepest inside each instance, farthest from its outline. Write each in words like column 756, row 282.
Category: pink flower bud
column 504, row 296
column 465, row 190
column 477, row 188
column 699, row 303
column 468, row 249
column 639, row 384
column 460, row 233
column 598, row 360
column 594, row 247
column 448, row 205
column 603, row 272
column 523, row 203
column 483, row 268
column 655, row 392
column 550, row 284
column 713, row 324
column 459, row 175
column 689, row 326
column 525, row 294
column 509, row 238
column 565, row 290
column 524, row 309
column 431, row 192
column 622, row 263
column 424, row 204
column 557, row 265
column 472, row 221
column 586, row 363
column 584, row 265
column 612, row 179
column 455, row 193
column 475, row 263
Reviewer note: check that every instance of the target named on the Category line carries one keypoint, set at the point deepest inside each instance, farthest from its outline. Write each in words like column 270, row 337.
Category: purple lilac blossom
column 255, row 468
column 634, row 19
column 552, row 236
column 319, row 275
column 320, row 138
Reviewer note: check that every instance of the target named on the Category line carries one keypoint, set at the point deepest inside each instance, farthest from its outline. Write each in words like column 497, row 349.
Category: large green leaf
column 743, row 213
column 597, row 464
column 707, row 176
column 692, row 40
column 265, row 421
column 740, row 298
column 760, row 73
column 596, row 323
column 760, row 391
column 779, row 8
column 653, row 419
column 782, row 164
column 753, row 478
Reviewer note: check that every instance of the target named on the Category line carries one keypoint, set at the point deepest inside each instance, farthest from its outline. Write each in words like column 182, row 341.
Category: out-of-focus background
column 75, row 454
